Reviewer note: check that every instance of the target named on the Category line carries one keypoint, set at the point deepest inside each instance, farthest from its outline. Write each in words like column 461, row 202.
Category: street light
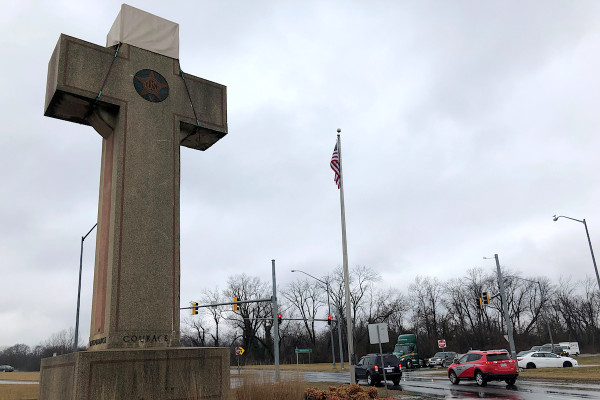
column 328, row 313
column 76, row 339
column 555, row 218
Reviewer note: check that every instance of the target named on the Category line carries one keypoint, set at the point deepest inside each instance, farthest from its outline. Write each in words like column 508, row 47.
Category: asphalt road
column 438, row 387
column 425, row 385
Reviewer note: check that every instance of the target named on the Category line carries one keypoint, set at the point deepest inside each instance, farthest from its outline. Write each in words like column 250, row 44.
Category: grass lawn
column 595, row 359
column 20, row 376
column 19, row 391
column 577, row 374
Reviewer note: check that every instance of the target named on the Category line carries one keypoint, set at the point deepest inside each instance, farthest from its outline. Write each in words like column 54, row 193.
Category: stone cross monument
column 133, row 93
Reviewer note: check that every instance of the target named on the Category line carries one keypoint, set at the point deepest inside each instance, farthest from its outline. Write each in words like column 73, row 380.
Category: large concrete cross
column 143, row 114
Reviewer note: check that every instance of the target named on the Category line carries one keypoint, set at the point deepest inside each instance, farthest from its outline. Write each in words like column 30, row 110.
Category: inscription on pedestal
column 146, row 338
column 97, row 341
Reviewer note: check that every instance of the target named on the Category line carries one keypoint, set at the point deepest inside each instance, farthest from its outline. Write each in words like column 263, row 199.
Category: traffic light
column 486, row 297
column 194, row 308
column 235, row 306
column 329, row 320
column 279, row 318
column 480, row 303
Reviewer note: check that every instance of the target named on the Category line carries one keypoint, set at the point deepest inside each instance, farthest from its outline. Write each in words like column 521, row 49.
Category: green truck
column 406, row 351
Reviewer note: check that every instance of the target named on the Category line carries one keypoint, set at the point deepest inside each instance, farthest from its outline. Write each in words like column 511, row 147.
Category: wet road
column 522, row 390
column 428, row 386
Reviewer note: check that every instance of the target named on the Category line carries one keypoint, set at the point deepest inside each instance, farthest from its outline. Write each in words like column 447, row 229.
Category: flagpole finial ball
column 338, row 130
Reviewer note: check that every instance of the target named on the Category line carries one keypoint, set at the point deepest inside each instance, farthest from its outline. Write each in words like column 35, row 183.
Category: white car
column 544, row 359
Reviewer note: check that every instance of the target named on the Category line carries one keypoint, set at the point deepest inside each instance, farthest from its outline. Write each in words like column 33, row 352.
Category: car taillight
column 376, row 368
column 518, row 359
column 400, row 366
column 488, row 362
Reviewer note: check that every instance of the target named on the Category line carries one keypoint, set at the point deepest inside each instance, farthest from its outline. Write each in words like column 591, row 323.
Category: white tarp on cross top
column 144, row 30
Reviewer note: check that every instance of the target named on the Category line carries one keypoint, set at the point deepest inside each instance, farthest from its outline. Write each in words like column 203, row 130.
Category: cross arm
column 76, row 72
column 208, row 101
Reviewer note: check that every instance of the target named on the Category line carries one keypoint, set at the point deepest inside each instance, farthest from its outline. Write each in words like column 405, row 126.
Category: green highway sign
column 303, row 350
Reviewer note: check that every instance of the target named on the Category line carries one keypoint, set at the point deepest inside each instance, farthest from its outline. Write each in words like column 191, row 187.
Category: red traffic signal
column 279, row 318
column 329, row 320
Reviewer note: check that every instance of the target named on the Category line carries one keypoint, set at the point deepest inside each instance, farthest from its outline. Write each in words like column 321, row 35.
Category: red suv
column 484, row 366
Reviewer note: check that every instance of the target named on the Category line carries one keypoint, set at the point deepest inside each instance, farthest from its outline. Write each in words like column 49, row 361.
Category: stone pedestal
column 144, row 374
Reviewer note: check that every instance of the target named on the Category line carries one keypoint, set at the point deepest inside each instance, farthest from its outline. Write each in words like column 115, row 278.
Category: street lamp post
column 76, row 339
column 555, row 218
column 328, row 311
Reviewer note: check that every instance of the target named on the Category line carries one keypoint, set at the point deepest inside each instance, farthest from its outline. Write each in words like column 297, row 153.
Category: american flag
column 335, row 165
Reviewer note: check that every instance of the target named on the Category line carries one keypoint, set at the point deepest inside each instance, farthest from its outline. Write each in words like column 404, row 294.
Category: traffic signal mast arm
column 309, row 319
column 294, row 319
column 494, row 296
column 226, row 304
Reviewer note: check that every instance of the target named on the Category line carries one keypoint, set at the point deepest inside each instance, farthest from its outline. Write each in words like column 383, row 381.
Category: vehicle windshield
column 404, row 348
column 439, row 355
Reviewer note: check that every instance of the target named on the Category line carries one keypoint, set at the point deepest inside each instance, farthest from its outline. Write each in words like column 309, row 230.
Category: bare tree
column 362, row 281
column 306, row 297
column 60, row 342
column 251, row 318
column 214, row 296
column 425, row 295
column 194, row 333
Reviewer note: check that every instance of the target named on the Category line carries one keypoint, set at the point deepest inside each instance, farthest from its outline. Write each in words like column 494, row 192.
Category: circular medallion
column 151, row 85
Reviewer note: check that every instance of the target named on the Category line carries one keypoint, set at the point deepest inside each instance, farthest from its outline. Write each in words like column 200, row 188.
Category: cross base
column 166, row 373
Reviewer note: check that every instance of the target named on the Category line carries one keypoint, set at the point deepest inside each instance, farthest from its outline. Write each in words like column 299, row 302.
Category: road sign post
column 297, row 351
column 238, row 352
column 378, row 333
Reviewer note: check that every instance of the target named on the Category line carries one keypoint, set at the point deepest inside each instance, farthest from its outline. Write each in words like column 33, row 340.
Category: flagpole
column 349, row 323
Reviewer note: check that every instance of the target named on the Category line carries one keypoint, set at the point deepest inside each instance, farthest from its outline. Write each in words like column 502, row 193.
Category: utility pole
column 511, row 340
column 339, row 329
column 275, row 323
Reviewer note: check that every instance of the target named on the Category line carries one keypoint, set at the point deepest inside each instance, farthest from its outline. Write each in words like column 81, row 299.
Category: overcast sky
column 465, row 126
